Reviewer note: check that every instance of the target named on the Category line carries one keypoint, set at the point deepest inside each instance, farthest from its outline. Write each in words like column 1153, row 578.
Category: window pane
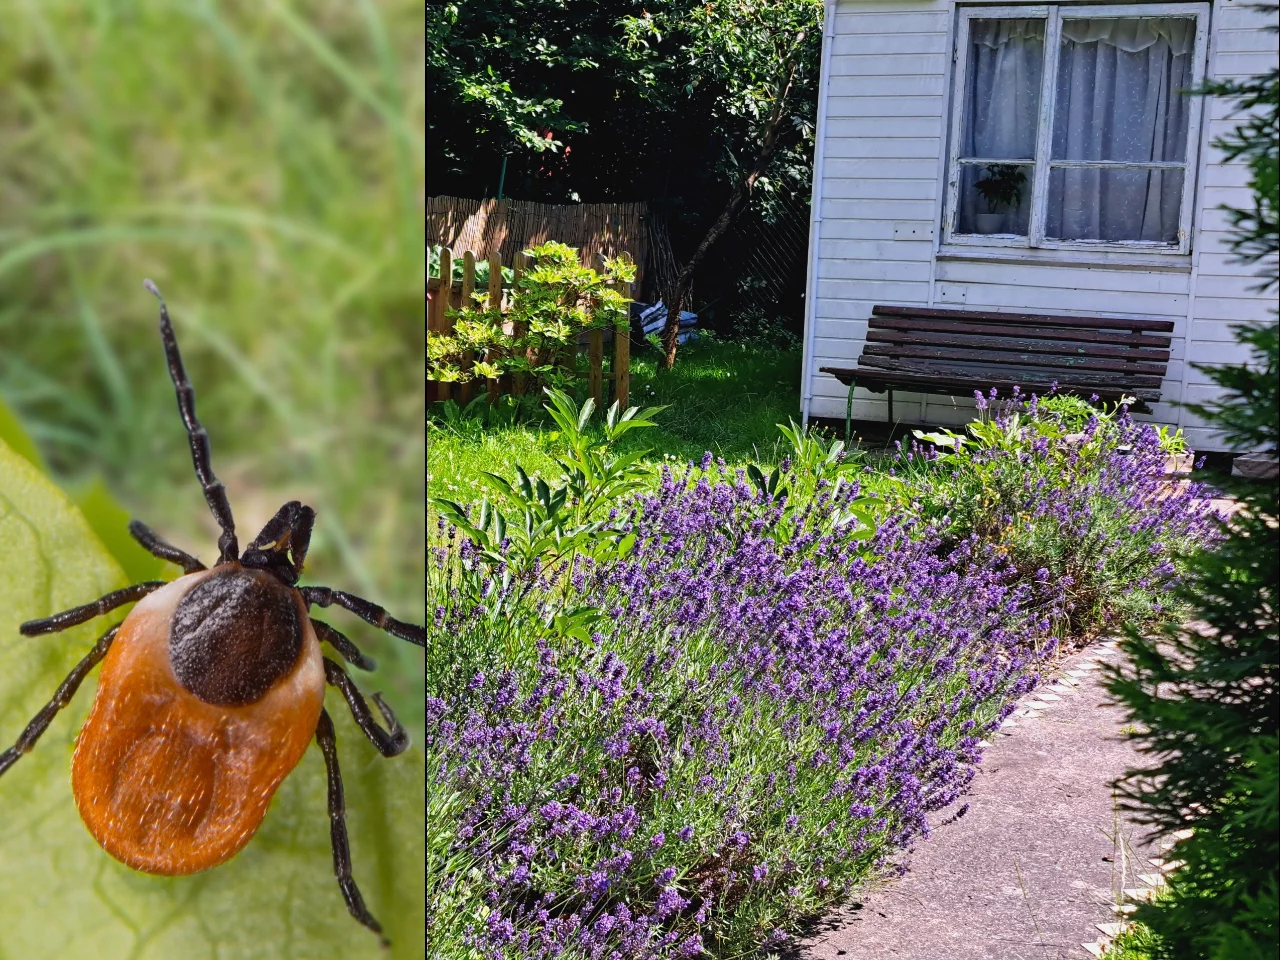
column 994, row 198
column 1114, row 204
column 1002, row 89
column 1121, row 89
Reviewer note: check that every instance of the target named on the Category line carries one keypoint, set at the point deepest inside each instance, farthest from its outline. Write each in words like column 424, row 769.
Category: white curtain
column 1002, row 107
column 1119, row 97
column 1006, row 58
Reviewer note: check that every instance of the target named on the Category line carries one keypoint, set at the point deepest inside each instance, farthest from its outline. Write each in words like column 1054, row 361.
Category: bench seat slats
column 878, row 381
column 1025, row 319
column 1158, row 355
column 1025, row 358
column 959, row 370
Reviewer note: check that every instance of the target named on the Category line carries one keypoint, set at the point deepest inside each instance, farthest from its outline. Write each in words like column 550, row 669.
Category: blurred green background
column 262, row 161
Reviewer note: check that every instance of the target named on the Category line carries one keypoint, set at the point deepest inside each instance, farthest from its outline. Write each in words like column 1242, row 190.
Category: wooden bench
column 954, row 352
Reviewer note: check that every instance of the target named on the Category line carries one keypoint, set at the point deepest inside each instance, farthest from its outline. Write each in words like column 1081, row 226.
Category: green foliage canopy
column 649, row 90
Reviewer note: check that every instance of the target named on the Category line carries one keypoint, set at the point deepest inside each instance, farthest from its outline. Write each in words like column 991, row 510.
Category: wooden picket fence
column 443, row 297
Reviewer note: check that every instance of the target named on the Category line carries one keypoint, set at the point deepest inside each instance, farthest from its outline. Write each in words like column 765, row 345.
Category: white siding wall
column 881, row 205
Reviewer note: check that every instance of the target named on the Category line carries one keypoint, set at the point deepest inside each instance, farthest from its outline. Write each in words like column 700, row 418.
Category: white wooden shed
column 1022, row 158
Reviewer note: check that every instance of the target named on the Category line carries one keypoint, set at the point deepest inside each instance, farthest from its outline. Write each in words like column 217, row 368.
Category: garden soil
column 1041, row 856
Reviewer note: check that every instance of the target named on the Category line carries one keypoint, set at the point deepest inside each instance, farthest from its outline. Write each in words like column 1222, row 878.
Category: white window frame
column 1053, row 15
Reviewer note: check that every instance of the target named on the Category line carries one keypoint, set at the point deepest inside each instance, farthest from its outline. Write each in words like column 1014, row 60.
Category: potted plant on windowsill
column 1001, row 188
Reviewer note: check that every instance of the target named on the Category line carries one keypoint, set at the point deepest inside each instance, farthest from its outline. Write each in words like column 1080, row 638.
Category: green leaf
column 19, row 441
column 64, row 897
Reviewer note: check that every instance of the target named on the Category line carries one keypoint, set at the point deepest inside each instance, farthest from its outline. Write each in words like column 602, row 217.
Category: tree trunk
column 675, row 297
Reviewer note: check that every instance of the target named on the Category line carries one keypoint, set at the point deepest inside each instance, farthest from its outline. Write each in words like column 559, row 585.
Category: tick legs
column 338, row 827
column 350, row 652
column 69, row 618
column 369, row 612
column 165, row 551
column 60, row 699
column 215, row 494
column 389, row 742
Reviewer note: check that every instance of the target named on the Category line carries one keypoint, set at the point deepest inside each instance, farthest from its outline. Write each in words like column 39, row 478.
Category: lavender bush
column 672, row 720
column 1053, row 484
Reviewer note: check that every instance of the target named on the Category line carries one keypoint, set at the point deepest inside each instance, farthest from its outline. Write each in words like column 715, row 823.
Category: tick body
column 184, row 746
column 211, row 690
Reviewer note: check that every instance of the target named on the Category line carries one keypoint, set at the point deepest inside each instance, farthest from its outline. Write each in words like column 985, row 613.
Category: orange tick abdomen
column 167, row 782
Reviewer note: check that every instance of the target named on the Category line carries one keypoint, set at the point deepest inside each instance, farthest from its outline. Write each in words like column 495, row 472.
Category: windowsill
column 1109, row 259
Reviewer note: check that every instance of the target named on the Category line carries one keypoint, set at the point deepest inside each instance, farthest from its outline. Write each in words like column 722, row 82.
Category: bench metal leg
column 848, row 416
column 890, row 411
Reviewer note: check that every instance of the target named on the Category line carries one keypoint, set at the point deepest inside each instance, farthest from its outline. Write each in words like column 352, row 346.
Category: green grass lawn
column 721, row 396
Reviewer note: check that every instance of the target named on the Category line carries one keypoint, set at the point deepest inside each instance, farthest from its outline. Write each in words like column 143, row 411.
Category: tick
column 212, row 688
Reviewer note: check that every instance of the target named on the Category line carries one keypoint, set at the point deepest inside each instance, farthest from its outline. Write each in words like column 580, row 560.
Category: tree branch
column 675, row 298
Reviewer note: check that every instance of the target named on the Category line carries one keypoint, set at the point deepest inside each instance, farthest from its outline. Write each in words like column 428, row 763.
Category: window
column 1073, row 126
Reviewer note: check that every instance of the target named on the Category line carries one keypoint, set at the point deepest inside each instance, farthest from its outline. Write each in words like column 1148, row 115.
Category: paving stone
column 1049, row 696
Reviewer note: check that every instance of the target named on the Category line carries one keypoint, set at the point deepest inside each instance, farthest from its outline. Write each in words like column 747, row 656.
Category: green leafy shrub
column 553, row 302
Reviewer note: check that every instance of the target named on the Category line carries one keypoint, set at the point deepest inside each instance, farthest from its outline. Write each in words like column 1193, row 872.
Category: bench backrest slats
column 1039, row 333
column 1025, row 319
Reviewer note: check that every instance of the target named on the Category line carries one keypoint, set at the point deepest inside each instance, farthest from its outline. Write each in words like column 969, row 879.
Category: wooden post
column 622, row 354
column 468, row 357
column 495, row 303
column 517, row 327
column 495, row 282
column 440, row 305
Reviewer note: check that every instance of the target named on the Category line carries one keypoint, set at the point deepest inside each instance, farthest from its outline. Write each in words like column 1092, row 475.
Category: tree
column 1206, row 697
column 762, row 60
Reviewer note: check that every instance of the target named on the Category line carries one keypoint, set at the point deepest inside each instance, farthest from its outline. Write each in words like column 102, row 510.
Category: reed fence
column 507, row 227
column 589, row 352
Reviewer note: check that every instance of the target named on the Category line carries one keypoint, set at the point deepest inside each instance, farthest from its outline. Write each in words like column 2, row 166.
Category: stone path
column 1040, row 859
